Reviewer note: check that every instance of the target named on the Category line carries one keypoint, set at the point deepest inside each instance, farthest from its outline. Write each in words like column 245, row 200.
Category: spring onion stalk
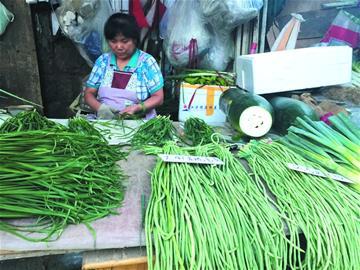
column 19, row 98
column 336, row 148
column 156, row 131
column 326, row 211
column 211, row 217
column 56, row 178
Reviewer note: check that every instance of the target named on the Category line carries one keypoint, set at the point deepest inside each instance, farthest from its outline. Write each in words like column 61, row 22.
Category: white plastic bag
column 186, row 36
column 220, row 53
column 225, row 15
column 83, row 22
column 5, row 17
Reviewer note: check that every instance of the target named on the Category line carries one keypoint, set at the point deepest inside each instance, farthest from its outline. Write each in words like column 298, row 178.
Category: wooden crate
column 139, row 263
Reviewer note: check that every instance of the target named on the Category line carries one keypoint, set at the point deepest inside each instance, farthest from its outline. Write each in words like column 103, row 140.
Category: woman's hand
column 132, row 109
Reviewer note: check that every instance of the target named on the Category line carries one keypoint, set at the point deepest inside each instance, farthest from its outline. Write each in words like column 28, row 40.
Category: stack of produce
column 211, row 217
column 197, row 132
column 334, row 147
column 325, row 211
column 56, row 177
column 204, row 77
column 28, row 120
column 157, row 131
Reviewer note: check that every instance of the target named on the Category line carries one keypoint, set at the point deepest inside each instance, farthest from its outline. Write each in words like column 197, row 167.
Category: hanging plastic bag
column 186, row 39
column 83, row 22
column 220, row 53
column 5, row 18
column 344, row 30
column 226, row 15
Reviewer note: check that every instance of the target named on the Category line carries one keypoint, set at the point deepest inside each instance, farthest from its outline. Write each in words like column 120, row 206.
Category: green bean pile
column 59, row 178
column 326, row 211
column 28, row 120
column 211, row 217
column 197, row 131
column 157, row 131
column 83, row 126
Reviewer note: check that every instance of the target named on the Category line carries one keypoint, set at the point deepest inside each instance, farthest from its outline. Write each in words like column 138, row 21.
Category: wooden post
column 19, row 73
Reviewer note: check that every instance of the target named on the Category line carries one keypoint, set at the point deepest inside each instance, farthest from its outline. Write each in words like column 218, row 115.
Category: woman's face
column 122, row 47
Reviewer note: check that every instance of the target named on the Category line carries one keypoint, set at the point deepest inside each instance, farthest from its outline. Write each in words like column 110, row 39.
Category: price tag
column 316, row 172
column 191, row 159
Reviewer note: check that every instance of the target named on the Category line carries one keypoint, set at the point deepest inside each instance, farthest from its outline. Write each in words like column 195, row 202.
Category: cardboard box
column 281, row 71
column 201, row 101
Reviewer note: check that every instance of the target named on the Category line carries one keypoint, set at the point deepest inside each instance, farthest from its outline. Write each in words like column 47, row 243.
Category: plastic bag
column 220, row 53
column 344, row 30
column 83, row 22
column 226, row 15
column 5, row 17
column 186, row 39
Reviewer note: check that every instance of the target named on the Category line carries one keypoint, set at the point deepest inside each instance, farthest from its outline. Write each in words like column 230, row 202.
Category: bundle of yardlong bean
column 326, row 211
column 58, row 177
column 156, row 131
column 207, row 217
column 28, row 120
column 197, row 131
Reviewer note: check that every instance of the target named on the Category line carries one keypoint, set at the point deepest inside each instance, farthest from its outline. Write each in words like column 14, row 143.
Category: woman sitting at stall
column 125, row 80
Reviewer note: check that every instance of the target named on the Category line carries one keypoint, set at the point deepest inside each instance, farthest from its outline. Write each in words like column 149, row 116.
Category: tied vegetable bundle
column 325, row 211
column 58, row 178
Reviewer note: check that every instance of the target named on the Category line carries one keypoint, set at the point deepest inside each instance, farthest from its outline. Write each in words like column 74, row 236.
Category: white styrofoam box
column 294, row 69
column 201, row 101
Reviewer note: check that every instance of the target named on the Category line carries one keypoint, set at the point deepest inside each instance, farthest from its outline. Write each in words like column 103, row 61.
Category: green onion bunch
column 211, row 217
column 156, row 131
column 56, row 178
column 326, row 211
column 28, row 120
column 335, row 147
column 197, row 131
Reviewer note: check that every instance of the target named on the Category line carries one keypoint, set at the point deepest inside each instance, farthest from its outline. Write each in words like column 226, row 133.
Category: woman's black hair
column 124, row 24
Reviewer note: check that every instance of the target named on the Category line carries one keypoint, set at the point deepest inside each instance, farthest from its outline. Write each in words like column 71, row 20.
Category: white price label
column 316, row 172
column 191, row 159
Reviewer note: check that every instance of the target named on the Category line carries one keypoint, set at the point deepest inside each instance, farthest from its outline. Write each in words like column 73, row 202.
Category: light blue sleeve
column 152, row 75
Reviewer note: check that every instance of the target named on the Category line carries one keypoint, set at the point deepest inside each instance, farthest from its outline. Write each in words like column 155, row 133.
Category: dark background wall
column 36, row 65
column 19, row 72
column 61, row 67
